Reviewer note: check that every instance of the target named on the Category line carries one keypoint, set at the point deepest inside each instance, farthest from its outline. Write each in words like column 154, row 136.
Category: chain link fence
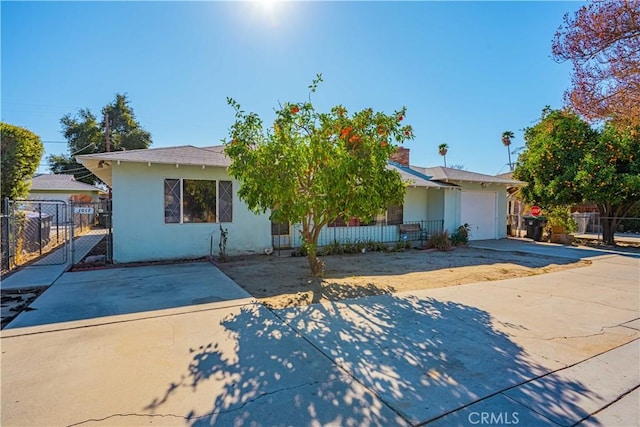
column 32, row 230
column 589, row 227
column 47, row 232
column 91, row 222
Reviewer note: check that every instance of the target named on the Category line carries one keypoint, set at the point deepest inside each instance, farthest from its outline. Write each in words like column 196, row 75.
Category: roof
column 440, row 173
column 507, row 175
column 100, row 163
column 60, row 182
column 416, row 178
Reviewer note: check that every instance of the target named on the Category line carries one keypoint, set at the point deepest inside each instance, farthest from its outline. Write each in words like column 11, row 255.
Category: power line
column 37, row 105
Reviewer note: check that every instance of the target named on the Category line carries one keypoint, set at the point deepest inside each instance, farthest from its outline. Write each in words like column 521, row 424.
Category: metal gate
column 91, row 233
column 34, row 231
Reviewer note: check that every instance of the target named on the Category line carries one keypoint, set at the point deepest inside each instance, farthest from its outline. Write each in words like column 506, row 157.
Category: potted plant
column 560, row 224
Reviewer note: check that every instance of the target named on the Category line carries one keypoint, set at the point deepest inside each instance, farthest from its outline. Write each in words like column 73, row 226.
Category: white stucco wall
column 139, row 230
column 451, row 209
column 435, row 203
column 415, row 204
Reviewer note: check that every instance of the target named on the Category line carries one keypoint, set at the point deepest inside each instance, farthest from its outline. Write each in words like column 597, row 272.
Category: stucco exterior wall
column 415, row 204
column 451, row 209
column 435, row 203
column 139, row 229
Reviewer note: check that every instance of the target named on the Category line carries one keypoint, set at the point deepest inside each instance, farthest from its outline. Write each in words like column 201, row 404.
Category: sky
column 466, row 71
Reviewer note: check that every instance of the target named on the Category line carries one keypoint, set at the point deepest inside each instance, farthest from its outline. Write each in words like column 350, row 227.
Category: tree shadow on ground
column 359, row 274
column 383, row 360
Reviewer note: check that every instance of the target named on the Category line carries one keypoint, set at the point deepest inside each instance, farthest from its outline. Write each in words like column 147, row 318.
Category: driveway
column 554, row 349
column 94, row 295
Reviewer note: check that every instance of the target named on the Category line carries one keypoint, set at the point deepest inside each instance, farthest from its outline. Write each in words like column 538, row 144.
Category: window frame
column 228, row 211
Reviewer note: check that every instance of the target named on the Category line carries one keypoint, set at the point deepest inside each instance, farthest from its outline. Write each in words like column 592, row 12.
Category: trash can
column 535, row 225
column 582, row 219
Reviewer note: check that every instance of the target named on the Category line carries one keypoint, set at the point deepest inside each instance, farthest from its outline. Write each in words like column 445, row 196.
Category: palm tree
column 442, row 149
column 506, row 140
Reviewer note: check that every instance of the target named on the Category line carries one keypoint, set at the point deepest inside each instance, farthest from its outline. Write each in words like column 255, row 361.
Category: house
column 172, row 203
column 516, row 208
column 482, row 200
column 60, row 187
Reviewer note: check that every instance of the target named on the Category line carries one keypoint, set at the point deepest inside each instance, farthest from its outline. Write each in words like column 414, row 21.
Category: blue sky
column 466, row 71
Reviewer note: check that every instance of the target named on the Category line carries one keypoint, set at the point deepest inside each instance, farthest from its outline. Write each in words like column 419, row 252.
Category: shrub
column 439, row 241
column 333, row 248
column 460, row 237
column 560, row 216
column 401, row 245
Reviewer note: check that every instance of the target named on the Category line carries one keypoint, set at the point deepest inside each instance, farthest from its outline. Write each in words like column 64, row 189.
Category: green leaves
column 311, row 167
column 85, row 134
column 20, row 156
column 567, row 162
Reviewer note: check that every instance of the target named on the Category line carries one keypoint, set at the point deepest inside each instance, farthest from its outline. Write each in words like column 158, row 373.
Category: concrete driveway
column 97, row 294
column 555, row 349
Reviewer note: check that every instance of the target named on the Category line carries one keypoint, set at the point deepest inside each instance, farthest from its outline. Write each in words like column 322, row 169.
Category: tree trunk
column 608, row 230
column 316, row 266
column 310, row 240
column 609, row 222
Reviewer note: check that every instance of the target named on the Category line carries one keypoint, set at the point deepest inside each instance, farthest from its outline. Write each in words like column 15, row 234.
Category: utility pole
column 107, row 141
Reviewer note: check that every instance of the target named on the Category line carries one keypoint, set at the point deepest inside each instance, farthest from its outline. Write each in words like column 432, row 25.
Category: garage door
column 478, row 209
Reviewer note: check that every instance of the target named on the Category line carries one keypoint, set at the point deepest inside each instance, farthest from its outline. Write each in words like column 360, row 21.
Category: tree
column 21, row 154
column 85, row 134
column 602, row 40
column 311, row 168
column 506, row 141
column 565, row 162
column 443, row 149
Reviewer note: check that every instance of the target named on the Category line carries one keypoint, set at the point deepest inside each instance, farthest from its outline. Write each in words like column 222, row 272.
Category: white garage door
column 478, row 209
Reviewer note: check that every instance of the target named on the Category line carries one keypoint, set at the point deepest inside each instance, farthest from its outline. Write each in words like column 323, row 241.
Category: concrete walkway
column 555, row 349
column 552, row 249
column 44, row 272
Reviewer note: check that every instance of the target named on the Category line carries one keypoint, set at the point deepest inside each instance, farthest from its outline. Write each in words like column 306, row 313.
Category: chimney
column 401, row 156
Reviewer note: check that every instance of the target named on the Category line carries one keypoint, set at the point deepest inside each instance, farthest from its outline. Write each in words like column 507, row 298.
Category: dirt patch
column 15, row 301
column 284, row 281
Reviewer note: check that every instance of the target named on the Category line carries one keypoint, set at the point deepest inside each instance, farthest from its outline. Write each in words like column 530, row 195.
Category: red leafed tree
column 602, row 40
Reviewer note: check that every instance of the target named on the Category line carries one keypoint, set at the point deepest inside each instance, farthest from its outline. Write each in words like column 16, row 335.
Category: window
column 197, row 201
column 393, row 216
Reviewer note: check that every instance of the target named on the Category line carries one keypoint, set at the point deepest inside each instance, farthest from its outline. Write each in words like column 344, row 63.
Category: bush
column 560, row 216
column 333, row 248
column 460, row 237
column 440, row 241
column 401, row 245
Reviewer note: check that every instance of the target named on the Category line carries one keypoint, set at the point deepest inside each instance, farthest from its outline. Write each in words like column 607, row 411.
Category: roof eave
column 100, row 168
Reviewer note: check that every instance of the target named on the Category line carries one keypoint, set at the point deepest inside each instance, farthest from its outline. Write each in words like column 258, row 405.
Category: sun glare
column 267, row 5
column 269, row 11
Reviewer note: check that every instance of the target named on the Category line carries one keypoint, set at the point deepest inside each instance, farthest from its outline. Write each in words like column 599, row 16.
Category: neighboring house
column 516, row 208
column 60, row 187
column 172, row 202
